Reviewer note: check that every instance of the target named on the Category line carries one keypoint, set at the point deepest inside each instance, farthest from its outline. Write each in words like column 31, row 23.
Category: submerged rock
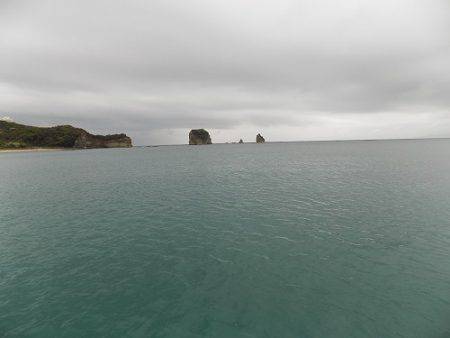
column 199, row 136
column 260, row 139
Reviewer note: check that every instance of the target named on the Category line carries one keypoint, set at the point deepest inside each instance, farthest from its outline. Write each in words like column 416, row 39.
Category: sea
column 305, row 239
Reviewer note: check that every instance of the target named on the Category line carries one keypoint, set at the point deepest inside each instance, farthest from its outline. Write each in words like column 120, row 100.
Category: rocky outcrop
column 260, row 139
column 15, row 135
column 199, row 136
column 88, row 141
column 240, row 141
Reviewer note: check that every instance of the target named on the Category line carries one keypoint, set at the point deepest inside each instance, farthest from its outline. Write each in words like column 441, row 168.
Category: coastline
column 24, row 150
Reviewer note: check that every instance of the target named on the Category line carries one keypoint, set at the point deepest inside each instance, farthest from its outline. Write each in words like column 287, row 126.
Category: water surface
column 321, row 239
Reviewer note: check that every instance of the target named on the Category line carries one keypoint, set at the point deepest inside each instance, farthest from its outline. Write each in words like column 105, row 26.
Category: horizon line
column 298, row 141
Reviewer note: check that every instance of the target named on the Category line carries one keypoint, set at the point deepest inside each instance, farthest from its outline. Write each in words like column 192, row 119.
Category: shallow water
column 320, row 239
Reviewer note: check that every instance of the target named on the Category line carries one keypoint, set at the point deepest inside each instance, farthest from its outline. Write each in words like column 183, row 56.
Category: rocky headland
column 18, row 136
column 199, row 136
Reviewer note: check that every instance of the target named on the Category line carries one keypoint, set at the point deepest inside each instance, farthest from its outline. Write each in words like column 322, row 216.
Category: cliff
column 86, row 141
column 14, row 135
column 199, row 136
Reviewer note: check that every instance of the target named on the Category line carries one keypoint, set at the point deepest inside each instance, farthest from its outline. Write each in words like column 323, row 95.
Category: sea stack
column 199, row 136
column 260, row 139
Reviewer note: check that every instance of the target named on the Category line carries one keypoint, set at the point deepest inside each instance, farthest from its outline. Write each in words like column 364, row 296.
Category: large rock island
column 17, row 136
column 199, row 136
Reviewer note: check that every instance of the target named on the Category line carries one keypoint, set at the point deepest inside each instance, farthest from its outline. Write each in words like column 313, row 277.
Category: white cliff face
column 6, row 119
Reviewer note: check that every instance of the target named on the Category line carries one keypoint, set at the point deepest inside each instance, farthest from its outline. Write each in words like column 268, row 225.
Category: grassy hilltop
column 15, row 136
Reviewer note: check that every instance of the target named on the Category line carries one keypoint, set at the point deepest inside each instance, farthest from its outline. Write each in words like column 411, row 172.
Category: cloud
column 293, row 68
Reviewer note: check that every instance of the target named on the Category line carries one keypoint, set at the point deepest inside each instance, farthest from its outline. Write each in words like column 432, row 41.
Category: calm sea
column 320, row 239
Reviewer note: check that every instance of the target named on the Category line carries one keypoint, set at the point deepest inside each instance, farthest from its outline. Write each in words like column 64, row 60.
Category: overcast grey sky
column 290, row 69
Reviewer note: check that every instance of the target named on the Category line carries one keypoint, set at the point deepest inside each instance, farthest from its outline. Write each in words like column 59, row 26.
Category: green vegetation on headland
column 18, row 136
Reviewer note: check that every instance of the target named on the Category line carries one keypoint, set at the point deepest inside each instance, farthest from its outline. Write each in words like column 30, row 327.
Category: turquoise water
column 323, row 239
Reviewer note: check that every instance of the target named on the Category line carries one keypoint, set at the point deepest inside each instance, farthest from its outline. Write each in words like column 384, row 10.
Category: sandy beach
column 25, row 150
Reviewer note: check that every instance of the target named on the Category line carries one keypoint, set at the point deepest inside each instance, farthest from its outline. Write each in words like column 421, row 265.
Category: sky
column 288, row 69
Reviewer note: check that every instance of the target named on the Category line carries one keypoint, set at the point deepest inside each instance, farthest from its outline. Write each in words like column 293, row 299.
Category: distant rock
column 199, row 136
column 240, row 141
column 15, row 135
column 260, row 139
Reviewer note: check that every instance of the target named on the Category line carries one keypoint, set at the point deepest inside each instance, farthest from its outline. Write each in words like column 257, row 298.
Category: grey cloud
column 167, row 65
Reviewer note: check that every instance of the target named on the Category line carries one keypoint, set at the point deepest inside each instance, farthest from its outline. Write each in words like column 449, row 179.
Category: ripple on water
column 326, row 239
